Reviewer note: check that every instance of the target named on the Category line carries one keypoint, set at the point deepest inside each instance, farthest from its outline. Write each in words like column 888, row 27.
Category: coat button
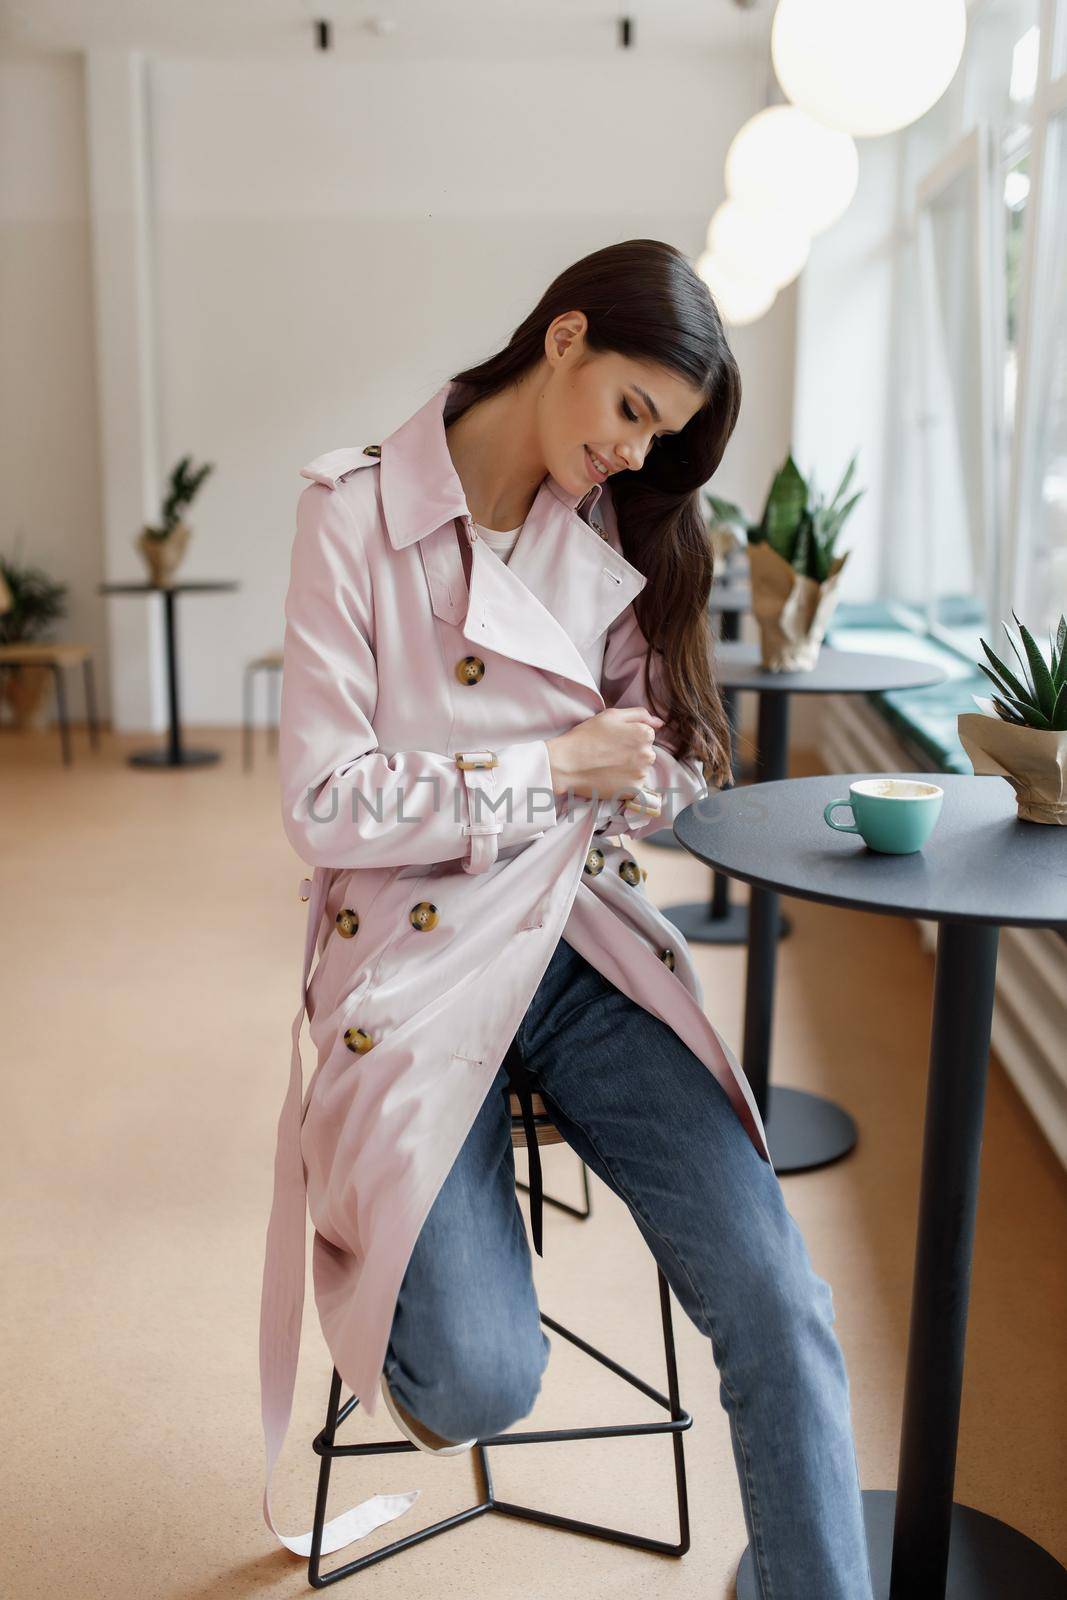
column 629, row 871
column 667, row 957
column 423, row 915
column 594, row 862
column 644, row 872
column 372, row 449
column 357, row 1040
column 470, row 669
column 347, row 922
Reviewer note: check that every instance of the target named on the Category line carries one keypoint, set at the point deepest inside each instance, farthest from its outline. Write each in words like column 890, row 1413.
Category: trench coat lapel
column 563, row 587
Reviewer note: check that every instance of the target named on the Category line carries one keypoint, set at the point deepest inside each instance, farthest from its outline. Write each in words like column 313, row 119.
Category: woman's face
column 601, row 413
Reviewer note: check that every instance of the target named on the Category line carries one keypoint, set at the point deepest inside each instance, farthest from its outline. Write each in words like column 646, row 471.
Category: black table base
column 805, row 1130
column 988, row 1560
column 184, row 757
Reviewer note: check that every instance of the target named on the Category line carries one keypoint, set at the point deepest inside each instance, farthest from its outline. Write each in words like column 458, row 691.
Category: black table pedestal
column 922, row 1544
column 814, row 1131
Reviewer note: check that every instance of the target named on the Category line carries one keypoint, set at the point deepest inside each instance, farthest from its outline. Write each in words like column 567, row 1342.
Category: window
column 978, row 522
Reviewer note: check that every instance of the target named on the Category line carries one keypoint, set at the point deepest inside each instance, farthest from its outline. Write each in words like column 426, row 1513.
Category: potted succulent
column 1020, row 733
column 163, row 547
column 30, row 602
column 793, row 563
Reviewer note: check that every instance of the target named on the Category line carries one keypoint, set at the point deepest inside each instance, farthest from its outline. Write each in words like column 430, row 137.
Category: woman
column 496, row 662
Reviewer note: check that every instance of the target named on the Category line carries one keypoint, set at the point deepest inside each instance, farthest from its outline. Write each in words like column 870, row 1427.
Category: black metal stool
column 527, row 1111
column 528, row 1114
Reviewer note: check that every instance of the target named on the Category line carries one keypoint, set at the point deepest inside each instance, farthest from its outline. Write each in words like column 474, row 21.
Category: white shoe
column 434, row 1444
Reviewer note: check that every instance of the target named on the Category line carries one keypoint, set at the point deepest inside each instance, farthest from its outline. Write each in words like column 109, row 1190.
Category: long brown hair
column 643, row 299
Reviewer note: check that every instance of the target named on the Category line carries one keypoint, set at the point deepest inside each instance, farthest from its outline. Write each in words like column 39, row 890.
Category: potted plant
column 163, row 547
column 727, row 542
column 30, row 602
column 1020, row 733
column 793, row 563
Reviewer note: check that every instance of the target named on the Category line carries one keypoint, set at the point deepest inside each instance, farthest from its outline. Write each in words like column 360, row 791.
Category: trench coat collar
column 564, row 584
column 420, row 484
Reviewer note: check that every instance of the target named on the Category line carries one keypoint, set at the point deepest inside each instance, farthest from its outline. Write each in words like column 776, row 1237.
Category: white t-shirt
column 502, row 543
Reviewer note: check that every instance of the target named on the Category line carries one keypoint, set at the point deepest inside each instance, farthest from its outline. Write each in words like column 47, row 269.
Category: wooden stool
column 271, row 663
column 326, row 1448
column 58, row 658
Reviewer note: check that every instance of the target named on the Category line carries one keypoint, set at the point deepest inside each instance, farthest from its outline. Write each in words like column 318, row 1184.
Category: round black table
column 980, row 869
column 174, row 753
column 804, row 1130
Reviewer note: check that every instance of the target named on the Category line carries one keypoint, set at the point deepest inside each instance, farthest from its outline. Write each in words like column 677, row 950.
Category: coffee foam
column 897, row 789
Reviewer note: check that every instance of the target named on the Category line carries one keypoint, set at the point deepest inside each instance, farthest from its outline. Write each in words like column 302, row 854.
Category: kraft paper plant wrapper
column 793, row 612
column 164, row 555
column 1034, row 761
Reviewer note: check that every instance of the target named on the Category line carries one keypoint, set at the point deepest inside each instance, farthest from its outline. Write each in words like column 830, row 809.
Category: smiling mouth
column 597, row 469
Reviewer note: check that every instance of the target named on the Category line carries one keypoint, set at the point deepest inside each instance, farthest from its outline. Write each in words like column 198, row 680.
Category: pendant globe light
column 740, row 295
column 784, row 162
column 867, row 67
column 742, row 237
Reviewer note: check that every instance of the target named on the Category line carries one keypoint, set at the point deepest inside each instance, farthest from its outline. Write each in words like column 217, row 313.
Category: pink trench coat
column 435, row 915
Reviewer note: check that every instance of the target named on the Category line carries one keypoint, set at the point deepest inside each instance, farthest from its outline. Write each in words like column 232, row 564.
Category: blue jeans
column 467, row 1349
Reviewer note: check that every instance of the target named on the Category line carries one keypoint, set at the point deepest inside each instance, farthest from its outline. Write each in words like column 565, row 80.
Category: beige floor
column 150, row 949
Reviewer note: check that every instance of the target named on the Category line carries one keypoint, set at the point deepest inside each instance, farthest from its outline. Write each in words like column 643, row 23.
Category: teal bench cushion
column 923, row 718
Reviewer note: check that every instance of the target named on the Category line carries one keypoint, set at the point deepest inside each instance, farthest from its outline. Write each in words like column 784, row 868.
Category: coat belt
column 282, row 1302
column 521, row 1083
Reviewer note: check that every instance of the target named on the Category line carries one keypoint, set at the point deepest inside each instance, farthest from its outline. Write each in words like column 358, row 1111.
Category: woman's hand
column 610, row 754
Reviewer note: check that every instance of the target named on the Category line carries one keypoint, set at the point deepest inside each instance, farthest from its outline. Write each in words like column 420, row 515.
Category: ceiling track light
column 626, row 32
column 322, row 34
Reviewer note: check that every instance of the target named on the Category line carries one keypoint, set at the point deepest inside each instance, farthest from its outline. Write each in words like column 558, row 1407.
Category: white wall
column 49, row 456
column 330, row 240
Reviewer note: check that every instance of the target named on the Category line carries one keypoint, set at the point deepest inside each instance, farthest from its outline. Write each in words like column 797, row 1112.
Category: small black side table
column 804, row 1130
column 980, row 869
column 174, row 753
column 730, row 598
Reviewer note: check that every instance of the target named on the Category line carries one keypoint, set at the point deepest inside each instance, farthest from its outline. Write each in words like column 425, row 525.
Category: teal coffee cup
column 893, row 815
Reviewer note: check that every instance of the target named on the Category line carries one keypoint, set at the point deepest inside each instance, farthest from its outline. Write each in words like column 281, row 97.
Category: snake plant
column 797, row 522
column 1039, row 698
column 183, row 486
